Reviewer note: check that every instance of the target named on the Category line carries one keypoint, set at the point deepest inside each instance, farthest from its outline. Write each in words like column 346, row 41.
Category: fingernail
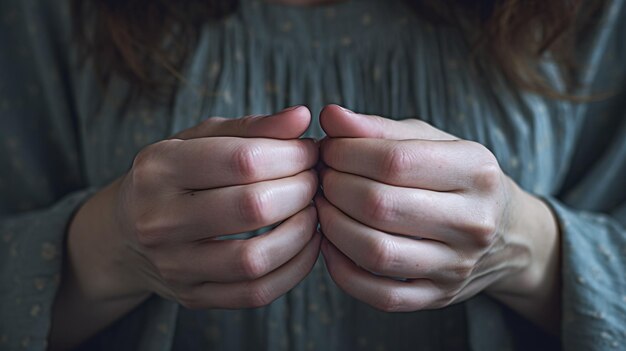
column 346, row 110
column 290, row 108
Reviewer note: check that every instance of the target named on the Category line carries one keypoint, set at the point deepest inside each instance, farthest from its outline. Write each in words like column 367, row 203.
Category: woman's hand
column 182, row 194
column 156, row 229
column 405, row 200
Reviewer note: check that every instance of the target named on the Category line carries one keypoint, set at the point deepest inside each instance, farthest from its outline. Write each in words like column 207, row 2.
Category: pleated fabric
column 375, row 57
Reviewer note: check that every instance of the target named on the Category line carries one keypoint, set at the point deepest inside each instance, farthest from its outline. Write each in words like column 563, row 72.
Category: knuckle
column 482, row 230
column 146, row 166
column 258, row 295
column 213, row 121
column 477, row 148
column 420, row 124
column 254, row 207
column 488, row 175
column 142, row 172
column 208, row 127
column 383, row 257
column 243, row 124
column 253, row 262
column 148, row 231
column 143, row 156
column 397, row 161
column 463, row 270
column 245, row 161
column 379, row 206
column 390, row 301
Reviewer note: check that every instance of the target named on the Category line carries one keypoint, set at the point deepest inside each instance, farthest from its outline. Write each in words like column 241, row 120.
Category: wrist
column 533, row 290
column 96, row 258
column 94, row 291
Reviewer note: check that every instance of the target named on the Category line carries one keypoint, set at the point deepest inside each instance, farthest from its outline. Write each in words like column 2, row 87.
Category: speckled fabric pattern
column 62, row 138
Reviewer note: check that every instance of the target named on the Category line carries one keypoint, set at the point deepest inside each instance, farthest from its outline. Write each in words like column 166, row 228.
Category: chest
column 422, row 75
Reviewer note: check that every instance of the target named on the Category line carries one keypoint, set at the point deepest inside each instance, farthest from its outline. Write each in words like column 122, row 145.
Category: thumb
column 289, row 123
column 339, row 122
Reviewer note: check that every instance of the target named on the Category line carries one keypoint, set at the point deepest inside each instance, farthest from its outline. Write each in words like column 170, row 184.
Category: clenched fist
column 402, row 199
column 166, row 216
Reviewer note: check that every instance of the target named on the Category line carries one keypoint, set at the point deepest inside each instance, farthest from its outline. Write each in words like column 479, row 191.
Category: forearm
column 93, row 291
column 535, row 291
column 76, row 316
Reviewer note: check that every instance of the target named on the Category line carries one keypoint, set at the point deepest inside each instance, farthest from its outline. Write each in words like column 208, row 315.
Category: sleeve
column 43, row 182
column 592, row 215
column 40, row 182
column 591, row 206
column 593, row 279
column 30, row 264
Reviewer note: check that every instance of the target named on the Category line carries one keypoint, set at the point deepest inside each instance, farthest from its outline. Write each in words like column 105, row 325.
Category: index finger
column 440, row 165
column 207, row 163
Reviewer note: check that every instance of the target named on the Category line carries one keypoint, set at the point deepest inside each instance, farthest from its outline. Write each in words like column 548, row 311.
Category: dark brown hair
column 147, row 41
column 142, row 41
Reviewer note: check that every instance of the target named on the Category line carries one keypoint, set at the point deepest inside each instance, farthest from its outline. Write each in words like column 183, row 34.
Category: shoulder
column 36, row 60
column 35, row 38
column 602, row 47
column 35, row 20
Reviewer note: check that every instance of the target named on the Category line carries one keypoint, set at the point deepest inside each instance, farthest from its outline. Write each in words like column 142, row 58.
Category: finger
column 380, row 292
column 382, row 253
column 339, row 122
column 259, row 292
column 223, row 161
column 289, row 123
column 433, row 165
column 243, row 260
column 238, row 209
column 412, row 212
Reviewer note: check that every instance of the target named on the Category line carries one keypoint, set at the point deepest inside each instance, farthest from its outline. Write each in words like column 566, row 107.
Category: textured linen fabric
column 62, row 137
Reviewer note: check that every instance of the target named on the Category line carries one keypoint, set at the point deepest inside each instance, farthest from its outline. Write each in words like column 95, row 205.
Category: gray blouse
column 62, row 137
